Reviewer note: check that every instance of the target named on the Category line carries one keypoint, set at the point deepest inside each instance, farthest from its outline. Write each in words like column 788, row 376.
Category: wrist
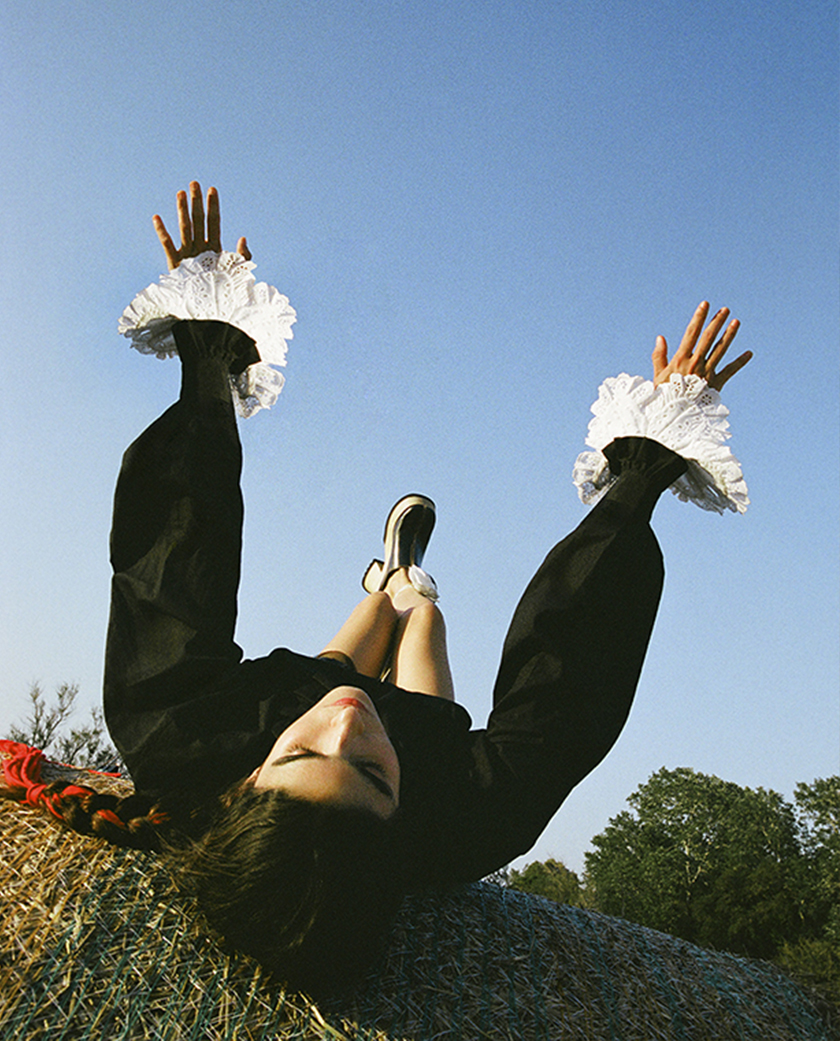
column 218, row 287
column 211, row 352
column 684, row 415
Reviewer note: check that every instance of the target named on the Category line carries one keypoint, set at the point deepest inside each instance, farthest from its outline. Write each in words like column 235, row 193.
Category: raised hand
column 700, row 351
column 194, row 238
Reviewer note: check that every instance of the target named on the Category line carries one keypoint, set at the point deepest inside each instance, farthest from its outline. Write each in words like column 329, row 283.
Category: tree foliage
column 815, row 963
column 549, row 878
column 46, row 728
column 723, row 866
column 819, row 809
column 718, row 864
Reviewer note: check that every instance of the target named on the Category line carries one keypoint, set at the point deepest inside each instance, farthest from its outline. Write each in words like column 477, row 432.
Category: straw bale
column 96, row 944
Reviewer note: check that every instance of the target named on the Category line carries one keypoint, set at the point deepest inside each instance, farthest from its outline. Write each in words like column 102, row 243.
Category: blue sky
column 479, row 211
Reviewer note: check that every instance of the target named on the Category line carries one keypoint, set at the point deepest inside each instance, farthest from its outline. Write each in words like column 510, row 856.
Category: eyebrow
column 372, row 779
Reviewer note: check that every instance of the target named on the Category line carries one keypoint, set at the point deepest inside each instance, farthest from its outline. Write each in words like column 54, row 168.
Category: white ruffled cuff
column 685, row 415
column 217, row 286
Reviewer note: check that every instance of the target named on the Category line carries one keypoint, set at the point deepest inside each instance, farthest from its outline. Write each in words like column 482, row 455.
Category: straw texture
column 95, row 944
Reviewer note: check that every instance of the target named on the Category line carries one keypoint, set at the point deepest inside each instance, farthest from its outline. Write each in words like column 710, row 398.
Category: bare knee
column 380, row 606
column 426, row 618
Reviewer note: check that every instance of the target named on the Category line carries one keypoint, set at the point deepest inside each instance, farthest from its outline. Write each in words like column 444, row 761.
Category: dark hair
column 307, row 889
column 133, row 821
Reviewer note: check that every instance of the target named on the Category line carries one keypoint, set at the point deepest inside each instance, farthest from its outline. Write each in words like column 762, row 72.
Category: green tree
column 814, row 958
column 704, row 859
column 549, row 878
column 819, row 812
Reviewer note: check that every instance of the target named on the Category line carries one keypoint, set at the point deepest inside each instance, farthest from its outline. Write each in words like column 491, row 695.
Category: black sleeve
column 570, row 664
column 176, row 542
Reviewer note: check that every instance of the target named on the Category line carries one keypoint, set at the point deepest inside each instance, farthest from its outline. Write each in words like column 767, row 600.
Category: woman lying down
column 299, row 798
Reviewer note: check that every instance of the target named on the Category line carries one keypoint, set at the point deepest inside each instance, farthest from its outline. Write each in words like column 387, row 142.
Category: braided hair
column 132, row 821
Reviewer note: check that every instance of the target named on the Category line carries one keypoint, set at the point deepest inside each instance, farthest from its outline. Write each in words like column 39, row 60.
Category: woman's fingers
column 184, row 223
column 659, row 357
column 191, row 225
column 700, row 350
column 170, row 252
column 708, row 338
column 722, row 346
column 197, row 204
column 214, row 221
column 717, row 380
column 692, row 331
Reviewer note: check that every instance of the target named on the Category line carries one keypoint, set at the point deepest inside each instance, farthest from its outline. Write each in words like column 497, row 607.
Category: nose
column 347, row 725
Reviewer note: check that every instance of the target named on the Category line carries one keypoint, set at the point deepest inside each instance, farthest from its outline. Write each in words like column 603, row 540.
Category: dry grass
column 95, row 944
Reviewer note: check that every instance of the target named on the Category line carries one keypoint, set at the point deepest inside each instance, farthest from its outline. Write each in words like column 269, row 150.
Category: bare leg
column 420, row 661
column 401, row 624
column 366, row 636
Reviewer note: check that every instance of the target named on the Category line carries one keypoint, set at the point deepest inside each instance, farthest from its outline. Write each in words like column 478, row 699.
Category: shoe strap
column 423, row 582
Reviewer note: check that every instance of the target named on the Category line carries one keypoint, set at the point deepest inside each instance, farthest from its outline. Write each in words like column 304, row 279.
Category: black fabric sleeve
column 570, row 663
column 176, row 542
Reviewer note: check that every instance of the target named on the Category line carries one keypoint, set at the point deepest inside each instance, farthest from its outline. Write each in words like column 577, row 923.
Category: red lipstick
column 354, row 702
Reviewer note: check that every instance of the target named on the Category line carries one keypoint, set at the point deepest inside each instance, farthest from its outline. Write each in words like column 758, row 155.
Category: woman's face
column 337, row 752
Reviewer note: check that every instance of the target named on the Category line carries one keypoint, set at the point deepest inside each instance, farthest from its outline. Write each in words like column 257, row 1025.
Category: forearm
column 176, row 537
column 570, row 664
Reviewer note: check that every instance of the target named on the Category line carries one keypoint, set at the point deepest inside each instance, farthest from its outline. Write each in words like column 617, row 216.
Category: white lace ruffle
column 685, row 415
column 217, row 286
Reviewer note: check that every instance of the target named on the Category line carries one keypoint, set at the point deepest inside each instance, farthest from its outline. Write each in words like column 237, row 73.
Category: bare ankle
column 397, row 581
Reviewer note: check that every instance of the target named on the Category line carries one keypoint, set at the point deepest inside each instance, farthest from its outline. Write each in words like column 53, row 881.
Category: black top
column 191, row 718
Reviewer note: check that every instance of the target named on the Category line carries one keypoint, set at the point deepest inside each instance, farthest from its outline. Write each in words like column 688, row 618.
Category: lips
column 354, row 702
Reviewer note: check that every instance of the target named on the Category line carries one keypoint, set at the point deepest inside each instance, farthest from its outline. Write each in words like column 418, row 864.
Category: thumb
column 659, row 356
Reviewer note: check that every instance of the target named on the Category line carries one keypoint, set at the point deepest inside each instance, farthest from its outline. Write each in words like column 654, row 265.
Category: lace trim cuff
column 217, row 286
column 685, row 415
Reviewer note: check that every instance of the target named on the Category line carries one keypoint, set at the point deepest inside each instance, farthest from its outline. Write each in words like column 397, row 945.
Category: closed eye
column 368, row 770
column 365, row 768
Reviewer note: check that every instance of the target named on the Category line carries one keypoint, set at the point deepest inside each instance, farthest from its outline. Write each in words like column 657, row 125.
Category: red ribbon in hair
column 22, row 770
